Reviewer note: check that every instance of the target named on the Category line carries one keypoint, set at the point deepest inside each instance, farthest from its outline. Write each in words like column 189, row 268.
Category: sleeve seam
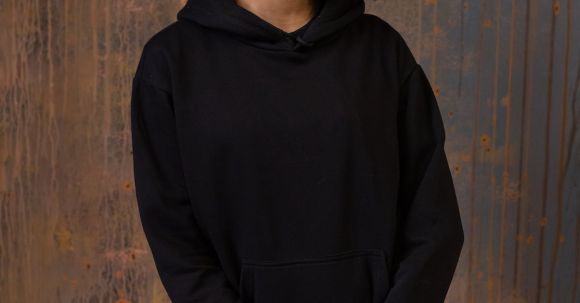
column 408, row 75
column 138, row 77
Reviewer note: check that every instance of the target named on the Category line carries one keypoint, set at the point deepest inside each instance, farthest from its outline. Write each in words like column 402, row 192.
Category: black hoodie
column 303, row 167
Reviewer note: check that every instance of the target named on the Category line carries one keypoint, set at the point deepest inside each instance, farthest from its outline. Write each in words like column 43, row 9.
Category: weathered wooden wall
column 506, row 72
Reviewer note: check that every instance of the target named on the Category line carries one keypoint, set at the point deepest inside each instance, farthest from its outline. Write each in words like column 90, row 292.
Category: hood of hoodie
column 227, row 16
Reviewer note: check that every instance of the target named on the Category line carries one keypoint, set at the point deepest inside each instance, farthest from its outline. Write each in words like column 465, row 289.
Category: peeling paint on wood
column 507, row 73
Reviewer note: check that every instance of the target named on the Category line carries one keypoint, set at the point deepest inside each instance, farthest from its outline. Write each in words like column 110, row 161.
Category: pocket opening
column 353, row 276
column 317, row 260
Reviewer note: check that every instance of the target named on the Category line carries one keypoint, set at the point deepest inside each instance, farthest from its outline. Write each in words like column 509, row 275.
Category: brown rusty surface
column 506, row 74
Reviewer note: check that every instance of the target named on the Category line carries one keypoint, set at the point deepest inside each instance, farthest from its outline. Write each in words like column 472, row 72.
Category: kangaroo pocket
column 355, row 276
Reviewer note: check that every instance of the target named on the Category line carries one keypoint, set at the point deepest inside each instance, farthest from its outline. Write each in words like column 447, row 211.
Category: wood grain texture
column 506, row 74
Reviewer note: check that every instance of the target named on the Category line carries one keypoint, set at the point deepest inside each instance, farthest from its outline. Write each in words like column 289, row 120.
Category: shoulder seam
column 138, row 77
column 416, row 65
column 148, row 48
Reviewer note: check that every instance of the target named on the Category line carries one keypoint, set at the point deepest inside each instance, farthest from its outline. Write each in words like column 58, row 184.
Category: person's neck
column 287, row 15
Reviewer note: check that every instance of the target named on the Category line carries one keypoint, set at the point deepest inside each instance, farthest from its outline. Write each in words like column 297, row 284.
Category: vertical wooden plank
column 70, row 230
column 512, row 131
column 567, row 272
column 511, row 186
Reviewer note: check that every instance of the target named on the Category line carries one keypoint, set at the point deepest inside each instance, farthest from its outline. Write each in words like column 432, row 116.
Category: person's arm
column 430, row 233
column 186, row 263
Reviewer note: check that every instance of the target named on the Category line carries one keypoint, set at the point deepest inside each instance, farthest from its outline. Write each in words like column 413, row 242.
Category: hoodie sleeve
column 185, row 261
column 430, row 236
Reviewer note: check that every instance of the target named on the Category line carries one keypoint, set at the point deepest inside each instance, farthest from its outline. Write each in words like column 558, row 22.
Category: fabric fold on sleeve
column 186, row 262
column 430, row 234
